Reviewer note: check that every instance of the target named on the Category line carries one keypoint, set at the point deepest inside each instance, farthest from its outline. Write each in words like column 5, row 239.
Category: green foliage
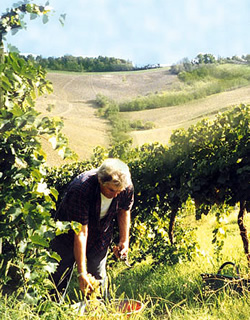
column 157, row 200
column 26, row 227
column 227, row 76
column 155, row 101
column 199, row 73
column 214, row 156
column 109, row 109
column 13, row 19
column 102, row 101
column 139, row 125
column 183, row 65
column 220, row 230
column 152, row 239
column 205, row 162
column 26, row 201
column 206, row 58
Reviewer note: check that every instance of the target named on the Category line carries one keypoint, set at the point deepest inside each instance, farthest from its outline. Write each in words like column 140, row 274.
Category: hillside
column 183, row 116
column 74, row 101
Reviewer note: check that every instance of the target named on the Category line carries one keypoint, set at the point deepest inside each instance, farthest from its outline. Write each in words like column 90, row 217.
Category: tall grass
column 177, row 292
column 168, row 292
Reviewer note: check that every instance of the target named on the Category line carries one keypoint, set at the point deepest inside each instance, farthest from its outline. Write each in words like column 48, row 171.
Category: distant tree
column 209, row 58
column 187, row 64
column 184, row 65
column 205, row 58
column 247, row 58
column 200, row 59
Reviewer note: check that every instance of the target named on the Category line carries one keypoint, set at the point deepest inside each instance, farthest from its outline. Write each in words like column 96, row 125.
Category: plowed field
column 73, row 101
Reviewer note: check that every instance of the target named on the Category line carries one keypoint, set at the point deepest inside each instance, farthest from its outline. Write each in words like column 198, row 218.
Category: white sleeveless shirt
column 105, row 204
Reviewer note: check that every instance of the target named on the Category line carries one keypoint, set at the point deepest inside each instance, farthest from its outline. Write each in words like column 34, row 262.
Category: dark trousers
column 64, row 246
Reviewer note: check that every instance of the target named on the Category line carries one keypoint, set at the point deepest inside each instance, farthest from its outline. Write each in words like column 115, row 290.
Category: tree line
column 87, row 64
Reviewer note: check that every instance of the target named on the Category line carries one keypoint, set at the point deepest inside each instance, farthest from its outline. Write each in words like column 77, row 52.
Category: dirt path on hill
column 73, row 101
column 74, row 96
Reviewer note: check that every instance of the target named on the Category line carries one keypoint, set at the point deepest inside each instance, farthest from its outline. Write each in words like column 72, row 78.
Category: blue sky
column 142, row 31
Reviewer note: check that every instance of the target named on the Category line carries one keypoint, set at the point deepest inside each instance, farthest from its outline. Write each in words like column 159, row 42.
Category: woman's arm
column 80, row 245
column 123, row 218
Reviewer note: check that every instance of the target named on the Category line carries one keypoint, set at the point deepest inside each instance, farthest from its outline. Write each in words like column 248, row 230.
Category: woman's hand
column 87, row 283
column 121, row 251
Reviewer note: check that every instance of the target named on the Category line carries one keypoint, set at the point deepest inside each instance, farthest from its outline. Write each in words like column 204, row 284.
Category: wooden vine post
column 243, row 230
column 172, row 225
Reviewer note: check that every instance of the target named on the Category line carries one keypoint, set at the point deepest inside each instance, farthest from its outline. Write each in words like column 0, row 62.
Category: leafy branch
column 13, row 19
column 26, row 201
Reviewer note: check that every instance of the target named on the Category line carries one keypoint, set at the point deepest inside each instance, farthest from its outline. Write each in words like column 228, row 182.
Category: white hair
column 116, row 172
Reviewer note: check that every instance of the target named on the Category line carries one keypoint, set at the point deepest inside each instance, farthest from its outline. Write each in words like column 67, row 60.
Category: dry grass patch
column 74, row 101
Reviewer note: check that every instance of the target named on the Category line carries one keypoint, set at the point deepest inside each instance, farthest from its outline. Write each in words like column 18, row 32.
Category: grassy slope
column 183, row 116
column 74, row 96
